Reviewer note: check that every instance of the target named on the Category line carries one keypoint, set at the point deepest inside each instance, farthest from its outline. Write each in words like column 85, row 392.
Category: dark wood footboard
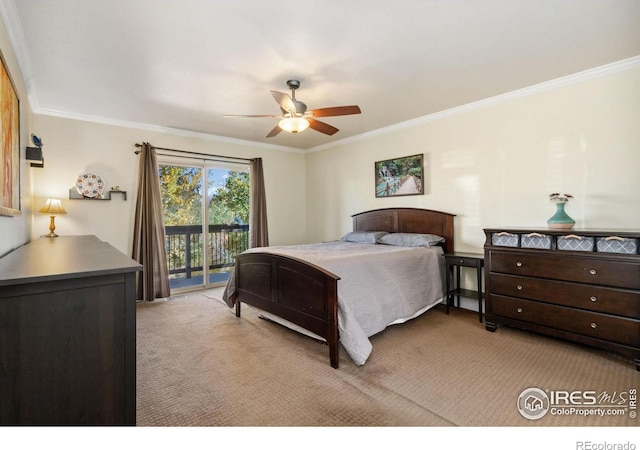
column 302, row 293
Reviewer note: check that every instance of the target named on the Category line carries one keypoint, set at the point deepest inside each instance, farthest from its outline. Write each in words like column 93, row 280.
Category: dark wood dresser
column 581, row 285
column 67, row 334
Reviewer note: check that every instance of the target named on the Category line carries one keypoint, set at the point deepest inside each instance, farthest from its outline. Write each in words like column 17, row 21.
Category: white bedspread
column 379, row 285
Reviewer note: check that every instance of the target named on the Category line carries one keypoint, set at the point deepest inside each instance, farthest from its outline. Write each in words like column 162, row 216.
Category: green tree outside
column 231, row 202
column 181, row 189
column 228, row 202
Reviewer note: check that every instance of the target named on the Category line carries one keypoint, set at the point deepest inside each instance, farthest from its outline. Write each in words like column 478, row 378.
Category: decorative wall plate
column 90, row 185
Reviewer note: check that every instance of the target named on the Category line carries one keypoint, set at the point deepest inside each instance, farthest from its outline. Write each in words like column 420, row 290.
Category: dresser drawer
column 601, row 326
column 568, row 268
column 584, row 296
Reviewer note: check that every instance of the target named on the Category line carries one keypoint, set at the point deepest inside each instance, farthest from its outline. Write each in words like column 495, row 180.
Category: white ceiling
column 182, row 64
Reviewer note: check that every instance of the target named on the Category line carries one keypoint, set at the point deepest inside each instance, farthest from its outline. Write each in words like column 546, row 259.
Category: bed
column 345, row 291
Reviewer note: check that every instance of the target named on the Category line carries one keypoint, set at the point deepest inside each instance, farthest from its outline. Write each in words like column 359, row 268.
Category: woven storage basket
column 575, row 243
column 535, row 240
column 616, row 244
column 505, row 239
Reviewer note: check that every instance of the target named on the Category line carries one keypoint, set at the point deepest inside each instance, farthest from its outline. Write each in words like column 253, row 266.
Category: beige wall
column 495, row 165
column 73, row 147
column 16, row 230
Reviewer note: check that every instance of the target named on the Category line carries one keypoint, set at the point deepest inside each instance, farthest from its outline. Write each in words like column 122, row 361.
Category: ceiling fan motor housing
column 293, row 84
column 301, row 108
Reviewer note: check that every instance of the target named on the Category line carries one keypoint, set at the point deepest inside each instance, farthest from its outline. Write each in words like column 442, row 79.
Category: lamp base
column 52, row 227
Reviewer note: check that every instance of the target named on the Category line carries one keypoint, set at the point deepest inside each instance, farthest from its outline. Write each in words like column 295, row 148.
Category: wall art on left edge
column 10, row 141
column 400, row 176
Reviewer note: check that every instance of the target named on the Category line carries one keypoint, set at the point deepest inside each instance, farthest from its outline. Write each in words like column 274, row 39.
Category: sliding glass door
column 228, row 219
column 206, row 214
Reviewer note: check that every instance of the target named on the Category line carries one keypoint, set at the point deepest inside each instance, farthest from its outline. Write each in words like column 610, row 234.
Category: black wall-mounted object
column 35, row 154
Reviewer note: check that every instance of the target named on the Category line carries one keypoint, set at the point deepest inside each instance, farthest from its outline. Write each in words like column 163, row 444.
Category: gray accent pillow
column 411, row 239
column 363, row 237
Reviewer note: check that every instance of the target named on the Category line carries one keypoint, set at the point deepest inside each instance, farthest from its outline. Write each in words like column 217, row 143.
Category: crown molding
column 165, row 130
column 590, row 74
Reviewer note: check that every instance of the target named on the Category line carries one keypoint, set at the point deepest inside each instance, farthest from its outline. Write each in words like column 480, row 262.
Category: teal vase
column 561, row 219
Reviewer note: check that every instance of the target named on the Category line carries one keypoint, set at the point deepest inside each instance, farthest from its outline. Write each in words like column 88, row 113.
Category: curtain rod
column 206, row 155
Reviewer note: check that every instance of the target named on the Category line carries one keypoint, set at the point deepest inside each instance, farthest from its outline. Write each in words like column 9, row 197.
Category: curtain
column 258, row 233
column 148, row 234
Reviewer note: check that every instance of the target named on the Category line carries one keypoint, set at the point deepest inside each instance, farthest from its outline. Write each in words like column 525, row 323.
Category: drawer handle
column 573, row 236
column 594, row 325
column 614, row 238
column 594, row 298
column 503, row 233
column 593, row 271
column 519, row 264
column 519, row 287
column 535, row 235
column 519, row 310
column 461, row 261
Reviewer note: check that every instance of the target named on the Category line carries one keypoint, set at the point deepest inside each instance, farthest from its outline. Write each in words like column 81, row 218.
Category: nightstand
column 458, row 260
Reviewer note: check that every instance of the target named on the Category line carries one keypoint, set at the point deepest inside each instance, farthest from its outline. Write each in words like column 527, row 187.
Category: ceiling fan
column 296, row 118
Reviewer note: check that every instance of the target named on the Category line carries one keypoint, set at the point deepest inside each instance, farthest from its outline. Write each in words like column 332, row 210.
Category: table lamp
column 52, row 207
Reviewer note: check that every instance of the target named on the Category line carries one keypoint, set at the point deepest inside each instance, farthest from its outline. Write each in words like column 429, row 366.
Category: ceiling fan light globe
column 294, row 124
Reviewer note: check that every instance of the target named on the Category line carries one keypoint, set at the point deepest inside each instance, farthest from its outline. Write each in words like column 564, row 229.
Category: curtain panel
column 148, row 235
column 258, row 231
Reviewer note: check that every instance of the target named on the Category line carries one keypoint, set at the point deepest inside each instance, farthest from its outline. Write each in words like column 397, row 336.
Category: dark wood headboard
column 408, row 220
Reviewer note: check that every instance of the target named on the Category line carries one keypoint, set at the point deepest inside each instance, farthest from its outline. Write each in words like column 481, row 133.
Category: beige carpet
column 199, row 365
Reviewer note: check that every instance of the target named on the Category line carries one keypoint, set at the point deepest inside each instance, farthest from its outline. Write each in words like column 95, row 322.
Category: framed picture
column 10, row 141
column 400, row 176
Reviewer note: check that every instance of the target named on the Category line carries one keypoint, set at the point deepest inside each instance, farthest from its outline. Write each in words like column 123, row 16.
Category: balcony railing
column 185, row 249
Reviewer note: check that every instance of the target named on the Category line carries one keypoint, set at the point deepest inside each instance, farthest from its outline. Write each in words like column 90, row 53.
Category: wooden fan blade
column 284, row 101
column 274, row 132
column 322, row 127
column 336, row 111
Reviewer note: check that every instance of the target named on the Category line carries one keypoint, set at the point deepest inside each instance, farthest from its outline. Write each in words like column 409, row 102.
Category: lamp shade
column 294, row 124
column 53, row 206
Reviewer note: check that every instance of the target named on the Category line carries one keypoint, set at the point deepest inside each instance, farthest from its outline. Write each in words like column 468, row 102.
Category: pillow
column 411, row 239
column 364, row 237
